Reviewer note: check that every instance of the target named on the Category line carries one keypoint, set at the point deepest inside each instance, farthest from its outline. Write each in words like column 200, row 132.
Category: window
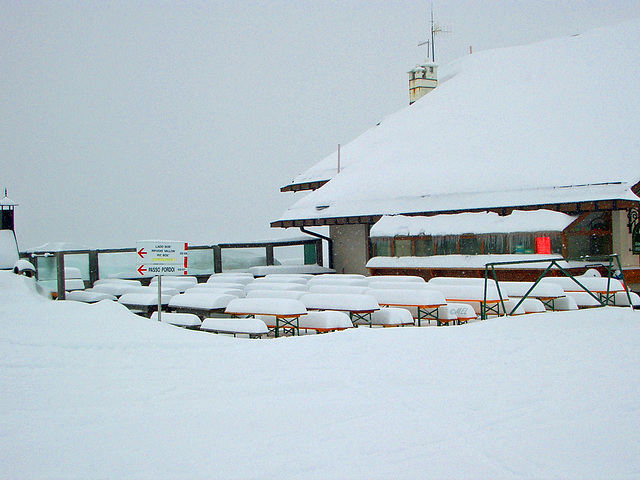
column 590, row 235
column 522, row 243
column 469, row 245
column 495, row 244
column 447, row 245
column 381, row 247
column 423, row 246
column 403, row 247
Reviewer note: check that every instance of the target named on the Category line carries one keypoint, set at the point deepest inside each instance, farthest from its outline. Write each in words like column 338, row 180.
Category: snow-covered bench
column 281, row 279
column 339, row 279
column 290, row 269
column 547, row 293
column 181, row 284
column 425, row 302
column 88, row 296
column 603, row 288
column 144, row 303
column 391, row 317
column 395, row 278
column 73, row 279
column 275, row 286
column 185, row 320
column 456, row 313
column 285, row 311
column 325, row 321
column 227, row 288
column 295, row 294
column 253, row 327
column 242, row 278
column 359, row 307
column 337, row 289
column 473, row 294
column 200, row 303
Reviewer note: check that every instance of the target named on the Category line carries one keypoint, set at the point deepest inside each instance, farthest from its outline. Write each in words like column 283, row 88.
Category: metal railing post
column 60, row 275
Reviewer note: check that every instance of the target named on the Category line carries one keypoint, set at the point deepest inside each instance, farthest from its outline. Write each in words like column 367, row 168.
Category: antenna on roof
column 436, row 29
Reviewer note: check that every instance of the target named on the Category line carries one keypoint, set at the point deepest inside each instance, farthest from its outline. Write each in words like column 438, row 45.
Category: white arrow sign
column 158, row 257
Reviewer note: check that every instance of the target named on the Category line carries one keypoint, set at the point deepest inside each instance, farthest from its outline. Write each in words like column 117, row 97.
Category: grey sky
column 124, row 121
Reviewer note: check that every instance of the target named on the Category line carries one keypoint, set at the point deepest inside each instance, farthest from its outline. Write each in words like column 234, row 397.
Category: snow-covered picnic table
column 285, row 311
column 200, row 302
column 456, row 313
column 547, row 293
column 253, row 327
column 325, row 321
column 359, row 307
column 603, row 288
column 425, row 301
column 144, row 303
column 459, row 290
column 185, row 320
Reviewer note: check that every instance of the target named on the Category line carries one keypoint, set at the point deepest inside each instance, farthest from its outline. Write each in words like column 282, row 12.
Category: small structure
column 8, row 242
column 422, row 79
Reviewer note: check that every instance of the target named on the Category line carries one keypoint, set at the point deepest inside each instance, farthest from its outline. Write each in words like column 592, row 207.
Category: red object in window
column 543, row 245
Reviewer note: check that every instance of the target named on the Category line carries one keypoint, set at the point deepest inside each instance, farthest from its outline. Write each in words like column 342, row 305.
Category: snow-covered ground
column 92, row 391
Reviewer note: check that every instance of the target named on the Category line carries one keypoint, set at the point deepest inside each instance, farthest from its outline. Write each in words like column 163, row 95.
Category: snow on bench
column 528, row 305
column 358, row 306
column 181, row 284
column 622, row 300
column 305, row 276
column 338, row 289
column 290, row 269
column 295, row 294
column 456, row 313
column 426, row 302
column 185, row 320
column 395, row 278
column 219, row 288
column 145, row 303
column 565, row 304
column 325, row 321
column 88, row 296
column 125, row 281
column 473, row 294
column 285, row 310
column 547, row 293
column 280, row 279
column 242, row 279
column 391, row 317
column 201, row 302
column 253, row 327
column 399, row 285
column 602, row 287
column 275, row 286
column 338, row 279
column 73, row 279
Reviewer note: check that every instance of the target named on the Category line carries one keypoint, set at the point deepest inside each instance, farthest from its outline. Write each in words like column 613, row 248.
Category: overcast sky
column 124, row 121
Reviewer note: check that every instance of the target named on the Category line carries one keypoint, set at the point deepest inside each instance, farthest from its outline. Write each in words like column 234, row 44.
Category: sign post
column 158, row 258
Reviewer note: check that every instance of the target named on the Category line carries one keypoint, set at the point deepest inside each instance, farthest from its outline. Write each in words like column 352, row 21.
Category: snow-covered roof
column 7, row 202
column 481, row 222
column 528, row 125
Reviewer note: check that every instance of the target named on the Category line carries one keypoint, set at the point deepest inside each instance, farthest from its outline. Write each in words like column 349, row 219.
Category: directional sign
column 161, row 258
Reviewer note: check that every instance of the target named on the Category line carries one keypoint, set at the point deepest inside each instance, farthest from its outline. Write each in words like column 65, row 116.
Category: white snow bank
column 95, row 391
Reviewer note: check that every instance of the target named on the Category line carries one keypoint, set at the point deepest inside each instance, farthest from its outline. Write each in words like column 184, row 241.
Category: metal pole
column 159, row 296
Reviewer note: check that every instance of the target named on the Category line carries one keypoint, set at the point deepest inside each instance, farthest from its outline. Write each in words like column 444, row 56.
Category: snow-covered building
column 542, row 127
